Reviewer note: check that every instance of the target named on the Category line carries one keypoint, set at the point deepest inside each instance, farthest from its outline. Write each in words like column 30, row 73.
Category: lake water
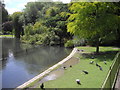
column 23, row 62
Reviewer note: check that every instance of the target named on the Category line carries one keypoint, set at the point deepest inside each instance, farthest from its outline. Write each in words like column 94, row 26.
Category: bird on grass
column 101, row 68
column 105, row 62
column 86, row 72
column 82, row 50
column 64, row 68
column 97, row 65
column 42, row 86
column 70, row 65
column 92, row 57
column 91, row 62
column 78, row 81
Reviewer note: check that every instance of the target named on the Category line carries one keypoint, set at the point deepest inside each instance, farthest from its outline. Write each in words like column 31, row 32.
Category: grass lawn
column 6, row 35
column 95, row 77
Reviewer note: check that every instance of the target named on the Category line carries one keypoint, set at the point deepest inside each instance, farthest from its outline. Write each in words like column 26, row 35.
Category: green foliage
column 7, row 27
column 29, row 30
column 49, row 26
column 93, row 20
column 65, row 15
column 17, row 23
column 50, row 12
column 30, row 12
column 79, row 42
column 87, row 18
column 39, row 28
column 69, row 44
column 3, row 13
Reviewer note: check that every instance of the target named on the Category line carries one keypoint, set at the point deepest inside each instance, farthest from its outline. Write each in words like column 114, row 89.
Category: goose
column 42, row 86
column 97, row 65
column 78, row 81
column 86, row 72
column 101, row 68
column 91, row 62
column 105, row 62
column 64, row 68
column 92, row 57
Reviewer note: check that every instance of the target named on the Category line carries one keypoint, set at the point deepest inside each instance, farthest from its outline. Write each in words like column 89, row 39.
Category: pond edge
column 48, row 70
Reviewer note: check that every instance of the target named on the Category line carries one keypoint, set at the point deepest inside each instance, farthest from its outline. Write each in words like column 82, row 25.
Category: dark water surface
column 23, row 64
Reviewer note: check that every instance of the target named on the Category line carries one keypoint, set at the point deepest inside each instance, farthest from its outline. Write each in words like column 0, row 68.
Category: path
column 117, row 85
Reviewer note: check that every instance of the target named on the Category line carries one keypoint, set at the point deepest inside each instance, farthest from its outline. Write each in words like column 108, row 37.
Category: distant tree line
column 55, row 23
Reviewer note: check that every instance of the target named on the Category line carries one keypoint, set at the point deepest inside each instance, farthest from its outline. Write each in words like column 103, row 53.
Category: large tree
column 7, row 27
column 17, row 24
column 4, row 12
column 93, row 20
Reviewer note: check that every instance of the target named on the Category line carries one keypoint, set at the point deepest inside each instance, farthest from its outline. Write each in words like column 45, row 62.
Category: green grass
column 6, row 35
column 95, row 77
column 102, row 49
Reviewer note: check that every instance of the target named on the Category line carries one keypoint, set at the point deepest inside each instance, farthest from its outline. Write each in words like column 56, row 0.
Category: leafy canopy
column 94, row 19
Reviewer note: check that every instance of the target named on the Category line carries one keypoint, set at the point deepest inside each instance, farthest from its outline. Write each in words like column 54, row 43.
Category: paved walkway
column 117, row 86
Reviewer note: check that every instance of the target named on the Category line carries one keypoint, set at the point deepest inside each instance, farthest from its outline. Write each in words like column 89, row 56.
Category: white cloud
column 65, row 1
column 18, row 5
column 12, row 10
column 21, row 5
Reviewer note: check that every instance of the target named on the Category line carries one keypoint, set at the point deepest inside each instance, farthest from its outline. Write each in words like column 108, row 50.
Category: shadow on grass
column 102, row 56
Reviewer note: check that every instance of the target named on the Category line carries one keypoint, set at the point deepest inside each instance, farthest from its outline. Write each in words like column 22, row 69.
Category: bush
column 29, row 30
column 38, row 43
column 52, row 43
column 69, row 44
column 39, row 28
column 79, row 42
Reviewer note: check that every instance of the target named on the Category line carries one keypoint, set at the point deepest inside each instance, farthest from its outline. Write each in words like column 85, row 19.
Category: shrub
column 29, row 30
column 69, row 44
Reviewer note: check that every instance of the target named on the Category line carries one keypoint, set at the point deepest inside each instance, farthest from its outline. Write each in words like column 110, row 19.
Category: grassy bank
column 7, row 36
column 95, row 77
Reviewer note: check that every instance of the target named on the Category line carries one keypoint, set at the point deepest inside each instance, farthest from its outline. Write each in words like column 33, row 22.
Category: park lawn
column 6, row 35
column 95, row 77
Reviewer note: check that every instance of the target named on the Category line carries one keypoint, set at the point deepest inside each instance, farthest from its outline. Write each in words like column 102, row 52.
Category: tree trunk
column 97, row 47
column 17, row 34
column 118, row 37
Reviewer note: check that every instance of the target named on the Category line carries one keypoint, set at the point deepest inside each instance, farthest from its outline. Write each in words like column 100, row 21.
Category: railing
column 112, row 73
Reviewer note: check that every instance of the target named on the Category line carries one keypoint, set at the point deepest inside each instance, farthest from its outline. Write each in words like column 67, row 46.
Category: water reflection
column 21, row 66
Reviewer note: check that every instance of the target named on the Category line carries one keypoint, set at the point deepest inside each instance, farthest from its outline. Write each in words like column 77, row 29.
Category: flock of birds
column 84, row 71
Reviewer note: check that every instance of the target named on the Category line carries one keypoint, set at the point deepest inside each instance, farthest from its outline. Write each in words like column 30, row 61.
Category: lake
column 23, row 62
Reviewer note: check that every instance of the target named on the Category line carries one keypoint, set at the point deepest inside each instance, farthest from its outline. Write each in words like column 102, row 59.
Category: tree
column 17, row 24
column 7, row 27
column 4, row 12
column 30, row 12
column 94, row 20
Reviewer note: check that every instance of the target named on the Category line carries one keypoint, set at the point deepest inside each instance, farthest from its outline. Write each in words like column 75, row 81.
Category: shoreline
column 5, row 37
column 41, row 75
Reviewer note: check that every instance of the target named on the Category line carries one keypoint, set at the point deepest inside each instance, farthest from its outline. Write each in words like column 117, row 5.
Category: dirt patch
column 70, row 62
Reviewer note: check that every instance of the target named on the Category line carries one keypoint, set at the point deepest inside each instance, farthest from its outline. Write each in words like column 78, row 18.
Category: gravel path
column 117, row 85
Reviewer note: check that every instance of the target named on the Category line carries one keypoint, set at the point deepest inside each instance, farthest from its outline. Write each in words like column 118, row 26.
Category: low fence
column 112, row 73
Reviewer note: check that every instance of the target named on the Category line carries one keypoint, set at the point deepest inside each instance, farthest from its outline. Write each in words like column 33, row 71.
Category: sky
column 18, row 5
